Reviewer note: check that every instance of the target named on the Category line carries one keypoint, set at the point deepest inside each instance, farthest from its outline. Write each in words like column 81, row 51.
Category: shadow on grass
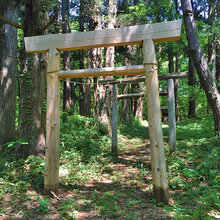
column 134, row 130
column 115, row 201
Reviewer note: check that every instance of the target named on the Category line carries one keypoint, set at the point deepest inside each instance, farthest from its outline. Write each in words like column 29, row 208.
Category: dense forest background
column 23, row 76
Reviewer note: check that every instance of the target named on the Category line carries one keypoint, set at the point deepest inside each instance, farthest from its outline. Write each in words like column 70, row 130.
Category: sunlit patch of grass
column 91, row 182
column 194, row 170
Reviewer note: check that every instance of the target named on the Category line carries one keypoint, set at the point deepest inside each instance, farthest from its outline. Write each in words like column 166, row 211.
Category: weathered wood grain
column 159, row 32
column 160, row 186
column 51, row 178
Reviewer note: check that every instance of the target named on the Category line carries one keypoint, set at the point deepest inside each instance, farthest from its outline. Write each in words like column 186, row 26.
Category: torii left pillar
column 51, row 178
column 160, row 186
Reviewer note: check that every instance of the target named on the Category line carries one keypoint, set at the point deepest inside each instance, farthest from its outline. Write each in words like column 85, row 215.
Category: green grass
column 92, row 182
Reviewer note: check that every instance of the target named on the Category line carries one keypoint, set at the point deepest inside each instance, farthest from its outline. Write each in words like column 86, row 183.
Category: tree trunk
column 171, row 103
column 8, row 74
column 171, row 70
column 137, row 103
column 218, row 50
column 95, row 56
column 67, row 100
column 170, row 58
column 115, row 122
column 125, row 112
column 212, row 38
column 176, row 84
column 200, row 64
column 81, row 60
column 126, row 103
column 192, row 101
column 109, row 62
column 218, row 65
column 139, row 109
column 31, row 125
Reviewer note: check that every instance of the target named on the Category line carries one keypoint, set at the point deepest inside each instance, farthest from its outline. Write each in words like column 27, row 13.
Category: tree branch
column 11, row 22
column 50, row 22
column 22, row 27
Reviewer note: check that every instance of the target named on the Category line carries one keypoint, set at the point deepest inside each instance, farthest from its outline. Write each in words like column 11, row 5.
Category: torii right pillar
column 158, row 165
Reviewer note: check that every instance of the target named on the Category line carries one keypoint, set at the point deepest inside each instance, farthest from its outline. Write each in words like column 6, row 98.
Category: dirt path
column 124, row 191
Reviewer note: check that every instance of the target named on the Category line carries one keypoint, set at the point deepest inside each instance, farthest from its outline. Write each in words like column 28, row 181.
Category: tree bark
column 170, row 58
column 191, row 82
column 218, row 50
column 94, row 59
column 109, row 62
column 81, row 59
column 139, row 109
column 218, row 65
column 200, row 64
column 115, row 122
column 212, row 37
column 31, row 125
column 8, row 78
column 125, row 112
column 67, row 100
column 176, row 84
column 171, row 103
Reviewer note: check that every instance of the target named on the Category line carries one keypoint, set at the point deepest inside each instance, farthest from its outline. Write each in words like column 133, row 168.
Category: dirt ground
column 120, row 180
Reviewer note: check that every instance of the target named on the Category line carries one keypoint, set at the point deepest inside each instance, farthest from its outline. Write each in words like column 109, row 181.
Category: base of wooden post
column 161, row 195
column 51, row 188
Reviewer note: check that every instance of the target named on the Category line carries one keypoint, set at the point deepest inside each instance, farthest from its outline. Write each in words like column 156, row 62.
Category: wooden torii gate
column 171, row 103
column 141, row 34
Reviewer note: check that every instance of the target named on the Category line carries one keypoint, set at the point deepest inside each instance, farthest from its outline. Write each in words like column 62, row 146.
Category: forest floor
column 94, row 186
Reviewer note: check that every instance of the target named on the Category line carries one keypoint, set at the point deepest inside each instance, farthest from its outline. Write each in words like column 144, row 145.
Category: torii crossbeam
column 140, row 34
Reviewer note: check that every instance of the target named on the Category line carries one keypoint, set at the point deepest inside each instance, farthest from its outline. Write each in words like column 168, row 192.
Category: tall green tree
column 32, row 118
column 94, row 58
column 191, row 82
column 201, row 64
column 67, row 100
column 8, row 74
column 109, row 62
column 82, row 19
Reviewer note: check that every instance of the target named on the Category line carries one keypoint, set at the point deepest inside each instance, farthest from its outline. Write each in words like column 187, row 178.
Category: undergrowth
column 88, row 176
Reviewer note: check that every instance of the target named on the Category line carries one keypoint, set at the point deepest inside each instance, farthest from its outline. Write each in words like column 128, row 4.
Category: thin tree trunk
column 94, row 59
column 126, row 103
column 170, row 58
column 218, row 65
column 176, row 84
column 171, row 103
column 192, row 101
column 81, row 61
column 137, row 103
column 218, row 50
column 212, row 38
column 139, row 109
column 67, row 100
column 115, row 122
column 200, row 64
column 8, row 74
column 109, row 62
column 125, row 112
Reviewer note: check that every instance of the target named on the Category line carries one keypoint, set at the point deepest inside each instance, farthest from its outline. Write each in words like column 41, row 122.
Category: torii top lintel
column 158, row 32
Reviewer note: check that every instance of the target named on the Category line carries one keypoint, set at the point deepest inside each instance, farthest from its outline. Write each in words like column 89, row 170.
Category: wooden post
column 51, row 179
column 160, row 186
column 115, row 122
column 171, row 116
